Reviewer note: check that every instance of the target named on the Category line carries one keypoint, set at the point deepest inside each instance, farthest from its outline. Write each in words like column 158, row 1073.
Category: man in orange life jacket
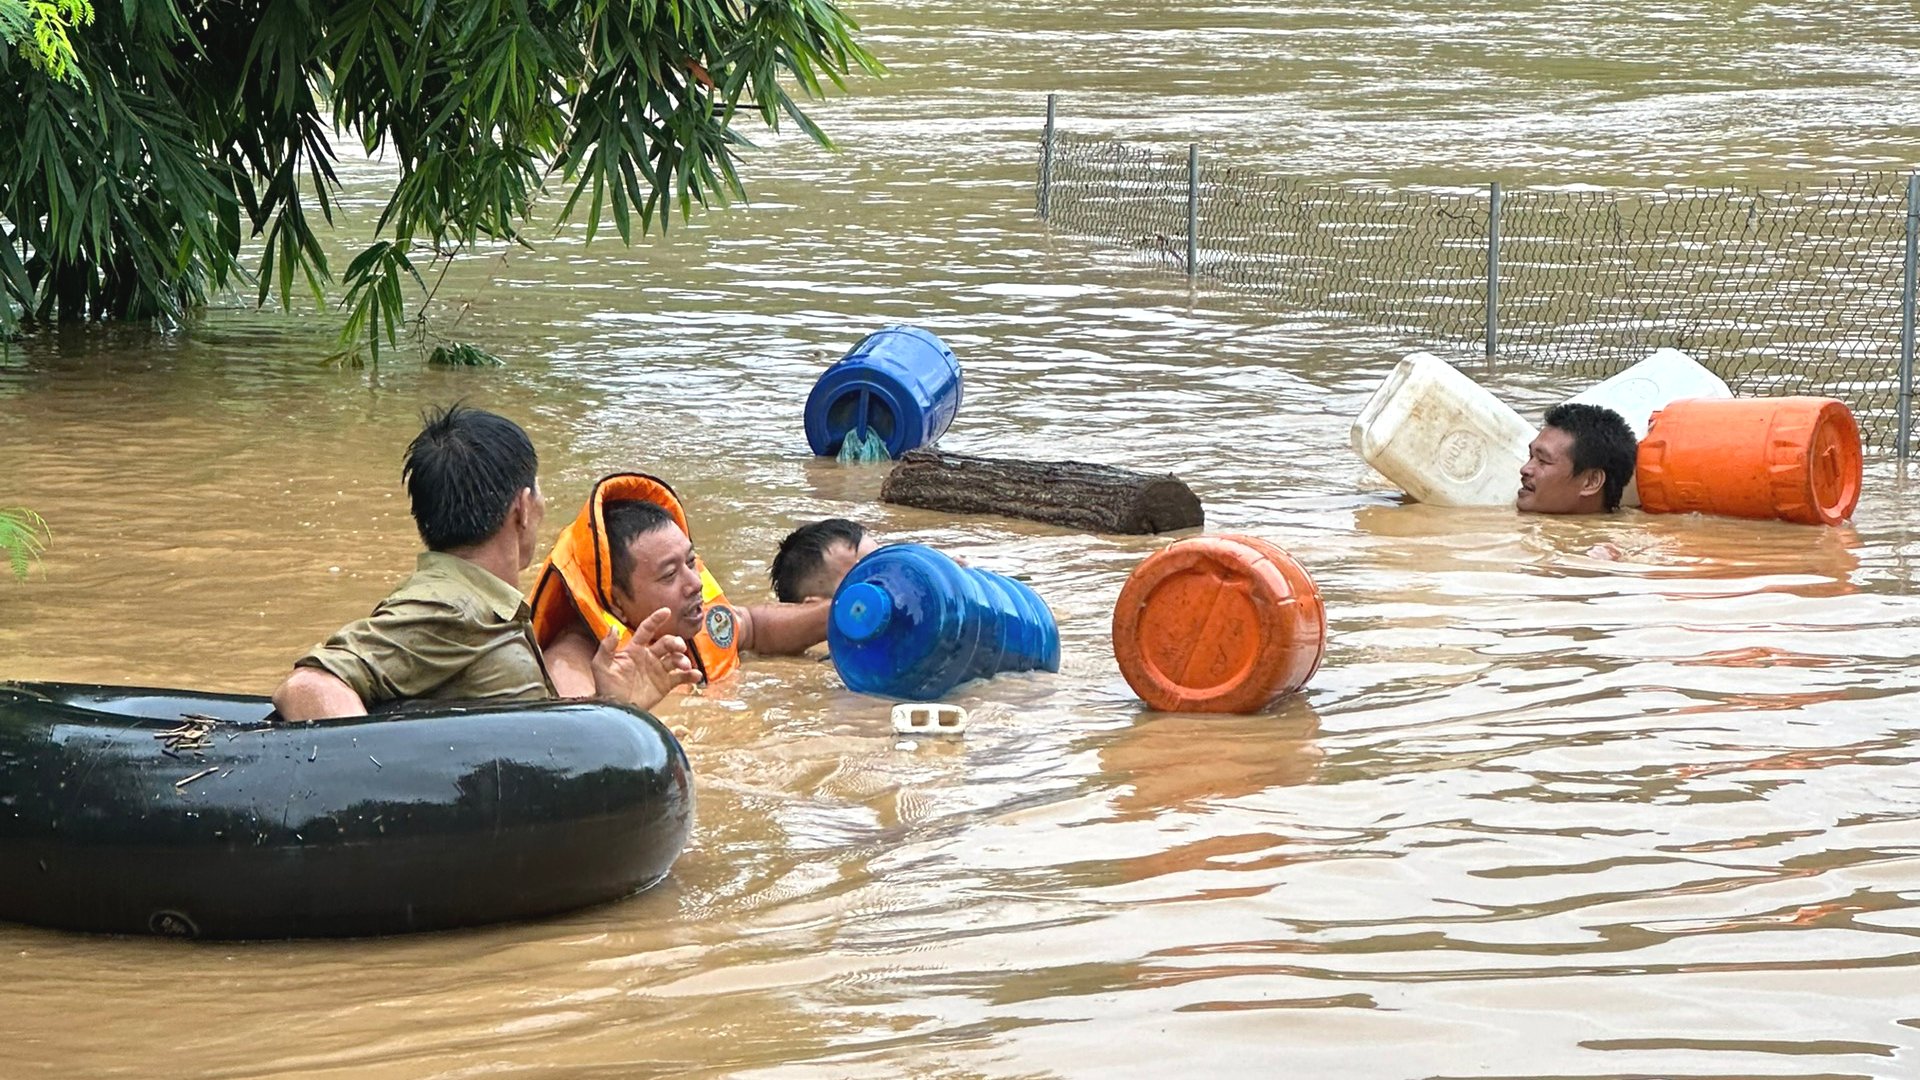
column 629, row 553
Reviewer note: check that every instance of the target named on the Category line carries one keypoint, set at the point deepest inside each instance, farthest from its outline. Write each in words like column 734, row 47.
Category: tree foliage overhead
column 188, row 127
column 41, row 30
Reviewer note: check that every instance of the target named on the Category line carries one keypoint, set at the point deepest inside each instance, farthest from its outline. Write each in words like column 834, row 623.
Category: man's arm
column 783, row 629
column 570, row 662
column 312, row 694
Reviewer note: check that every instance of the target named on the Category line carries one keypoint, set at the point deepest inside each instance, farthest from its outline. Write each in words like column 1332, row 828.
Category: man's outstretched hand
column 648, row 669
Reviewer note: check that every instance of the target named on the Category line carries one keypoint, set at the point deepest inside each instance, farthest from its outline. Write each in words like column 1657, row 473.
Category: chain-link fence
column 1804, row 289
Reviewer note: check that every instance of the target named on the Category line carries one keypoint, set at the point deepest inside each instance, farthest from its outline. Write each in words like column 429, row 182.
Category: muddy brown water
column 1538, row 815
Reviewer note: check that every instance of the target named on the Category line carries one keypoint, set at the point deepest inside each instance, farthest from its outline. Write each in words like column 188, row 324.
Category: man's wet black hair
column 463, row 472
column 628, row 520
column 1601, row 440
column 804, row 553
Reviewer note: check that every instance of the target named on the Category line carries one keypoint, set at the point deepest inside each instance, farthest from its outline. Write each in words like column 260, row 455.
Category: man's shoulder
column 573, row 638
column 444, row 586
column 429, row 598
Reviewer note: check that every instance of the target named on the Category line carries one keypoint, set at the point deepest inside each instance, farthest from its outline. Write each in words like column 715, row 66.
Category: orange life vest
column 576, row 581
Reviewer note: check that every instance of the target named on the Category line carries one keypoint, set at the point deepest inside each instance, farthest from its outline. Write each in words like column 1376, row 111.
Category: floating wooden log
column 1073, row 494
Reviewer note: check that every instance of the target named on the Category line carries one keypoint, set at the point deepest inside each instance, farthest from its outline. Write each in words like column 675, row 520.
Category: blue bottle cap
column 862, row 611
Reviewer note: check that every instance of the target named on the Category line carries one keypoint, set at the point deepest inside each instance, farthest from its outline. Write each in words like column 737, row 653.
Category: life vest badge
column 720, row 625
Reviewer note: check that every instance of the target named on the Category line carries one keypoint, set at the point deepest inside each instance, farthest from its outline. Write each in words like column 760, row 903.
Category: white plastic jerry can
column 1651, row 385
column 1441, row 437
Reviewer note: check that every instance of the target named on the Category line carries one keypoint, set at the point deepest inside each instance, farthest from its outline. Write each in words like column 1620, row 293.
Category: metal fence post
column 1193, row 210
column 1046, row 163
column 1906, row 317
column 1493, row 271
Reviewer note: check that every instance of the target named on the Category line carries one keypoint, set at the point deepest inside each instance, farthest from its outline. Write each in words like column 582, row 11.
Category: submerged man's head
column 814, row 558
column 1579, row 463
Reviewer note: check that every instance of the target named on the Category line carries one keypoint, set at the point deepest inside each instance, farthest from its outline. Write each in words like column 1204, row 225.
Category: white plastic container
column 1648, row 386
column 1441, row 437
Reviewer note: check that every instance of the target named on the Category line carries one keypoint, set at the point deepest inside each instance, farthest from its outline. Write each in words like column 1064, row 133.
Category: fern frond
column 24, row 536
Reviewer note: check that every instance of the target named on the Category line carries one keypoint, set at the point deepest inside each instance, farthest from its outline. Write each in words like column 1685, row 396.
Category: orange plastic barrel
column 1218, row 624
column 1793, row 458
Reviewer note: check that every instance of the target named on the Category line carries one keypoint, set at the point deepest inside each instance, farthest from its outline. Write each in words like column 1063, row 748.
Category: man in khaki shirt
column 459, row 627
column 452, row 630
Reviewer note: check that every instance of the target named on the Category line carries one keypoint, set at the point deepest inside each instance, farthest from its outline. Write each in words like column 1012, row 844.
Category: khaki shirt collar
column 501, row 598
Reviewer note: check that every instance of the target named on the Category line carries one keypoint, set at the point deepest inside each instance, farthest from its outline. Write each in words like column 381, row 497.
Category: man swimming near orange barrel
column 628, row 553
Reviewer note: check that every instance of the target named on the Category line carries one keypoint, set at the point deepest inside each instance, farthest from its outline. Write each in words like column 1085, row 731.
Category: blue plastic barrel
column 908, row 622
column 901, row 383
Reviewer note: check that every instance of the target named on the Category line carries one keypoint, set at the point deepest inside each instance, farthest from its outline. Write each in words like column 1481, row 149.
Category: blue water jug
column 908, row 622
column 901, row 384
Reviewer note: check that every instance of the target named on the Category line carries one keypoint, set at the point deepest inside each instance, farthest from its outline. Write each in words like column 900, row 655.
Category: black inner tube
column 119, row 813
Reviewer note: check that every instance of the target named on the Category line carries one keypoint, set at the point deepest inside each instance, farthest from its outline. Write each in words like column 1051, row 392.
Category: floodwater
column 1539, row 815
